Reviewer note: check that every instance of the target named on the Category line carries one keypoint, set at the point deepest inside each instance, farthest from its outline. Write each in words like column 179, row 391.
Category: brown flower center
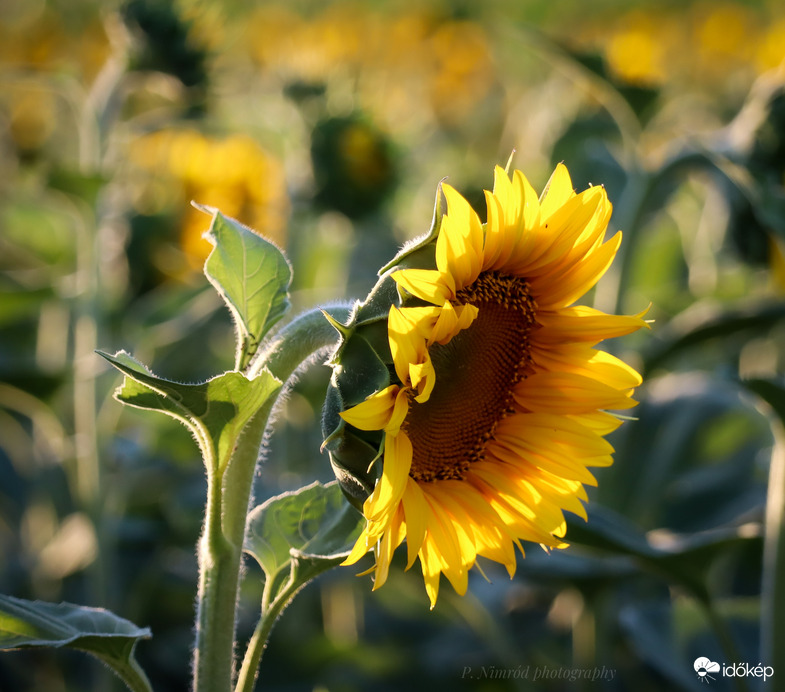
column 475, row 375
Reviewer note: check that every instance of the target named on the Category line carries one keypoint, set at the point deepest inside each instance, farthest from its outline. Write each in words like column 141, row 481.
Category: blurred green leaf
column 252, row 276
column 216, row 411
column 308, row 531
column 86, row 186
column 687, row 334
column 681, row 559
column 649, row 629
column 36, row 233
column 771, row 391
column 94, row 630
column 16, row 303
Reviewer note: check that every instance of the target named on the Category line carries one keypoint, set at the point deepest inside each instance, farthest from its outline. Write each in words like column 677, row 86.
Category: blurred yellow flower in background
column 770, row 50
column 636, row 56
column 38, row 38
column 234, row 174
column 32, row 118
column 449, row 62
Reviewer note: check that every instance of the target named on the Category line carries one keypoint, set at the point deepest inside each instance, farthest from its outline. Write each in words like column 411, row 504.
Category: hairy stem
column 295, row 343
column 773, row 596
column 258, row 641
column 228, row 496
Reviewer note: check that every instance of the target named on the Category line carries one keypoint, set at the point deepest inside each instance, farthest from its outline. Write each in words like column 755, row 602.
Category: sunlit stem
column 95, row 127
column 271, row 611
column 220, row 552
column 773, row 591
column 228, row 496
column 298, row 341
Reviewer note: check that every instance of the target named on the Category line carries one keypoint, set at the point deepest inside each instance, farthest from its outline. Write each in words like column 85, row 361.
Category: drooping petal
column 375, row 412
column 451, row 321
column 406, row 344
column 391, row 539
column 422, row 377
column 416, row 513
column 426, row 284
column 390, row 487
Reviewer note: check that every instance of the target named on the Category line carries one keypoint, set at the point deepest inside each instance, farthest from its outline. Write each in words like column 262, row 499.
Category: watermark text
column 534, row 673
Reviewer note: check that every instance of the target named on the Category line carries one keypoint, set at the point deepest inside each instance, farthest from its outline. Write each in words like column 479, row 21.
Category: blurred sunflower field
column 326, row 127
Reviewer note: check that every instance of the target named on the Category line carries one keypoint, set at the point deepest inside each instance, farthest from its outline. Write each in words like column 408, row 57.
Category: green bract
column 362, row 364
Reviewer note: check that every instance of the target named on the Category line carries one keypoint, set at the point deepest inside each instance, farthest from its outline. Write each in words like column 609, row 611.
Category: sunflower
column 499, row 404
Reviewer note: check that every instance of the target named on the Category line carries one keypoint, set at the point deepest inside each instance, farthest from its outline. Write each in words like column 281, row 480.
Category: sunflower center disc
column 475, row 376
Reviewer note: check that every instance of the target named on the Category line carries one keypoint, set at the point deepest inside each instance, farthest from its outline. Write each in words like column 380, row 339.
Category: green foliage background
column 326, row 127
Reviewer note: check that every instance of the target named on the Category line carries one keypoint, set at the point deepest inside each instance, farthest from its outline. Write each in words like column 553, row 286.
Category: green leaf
column 772, row 391
column 650, row 632
column 307, row 532
column 94, row 630
column 216, row 411
column 252, row 275
column 680, row 559
column 698, row 330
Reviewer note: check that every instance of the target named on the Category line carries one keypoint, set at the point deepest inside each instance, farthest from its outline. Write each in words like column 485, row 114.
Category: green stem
column 773, row 591
column 131, row 674
column 258, row 642
column 723, row 633
column 228, row 496
column 219, row 563
column 295, row 343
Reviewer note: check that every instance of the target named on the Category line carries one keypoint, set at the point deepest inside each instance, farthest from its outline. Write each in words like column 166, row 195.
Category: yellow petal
column 503, row 192
column 427, row 284
column 454, row 518
column 415, row 513
column 565, row 393
column 375, row 412
column 400, row 410
column 445, row 534
column 556, row 193
column 506, row 223
column 451, row 321
column 406, row 345
column 511, row 511
column 361, row 546
column 566, row 286
column 572, row 231
column 423, row 378
column 389, row 489
column 431, row 569
column 530, row 216
column 581, row 359
column 391, row 539
column 528, row 239
column 584, row 324
column 601, row 422
column 459, row 245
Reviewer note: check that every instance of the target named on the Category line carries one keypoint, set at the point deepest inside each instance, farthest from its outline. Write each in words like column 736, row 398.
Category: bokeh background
column 327, row 126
